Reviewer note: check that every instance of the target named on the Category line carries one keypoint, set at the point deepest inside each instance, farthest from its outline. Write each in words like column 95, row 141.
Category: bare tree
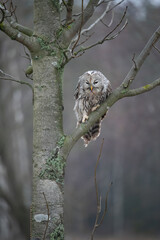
column 52, row 44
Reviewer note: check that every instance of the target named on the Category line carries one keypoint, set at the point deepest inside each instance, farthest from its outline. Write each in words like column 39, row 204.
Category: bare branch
column 69, row 10
column 140, row 60
column 87, row 13
column 156, row 48
column 87, row 38
column 98, row 19
column 103, row 1
column 106, row 205
column 79, row 33
column 133, row 59
column 107, row 37
column 8, row 77
column 143, row 89
column 98, row 198
column 111, row 21
column 107, row 10
column 99, row 220
column 8, row 14
column 14, row 34
column 14, row 30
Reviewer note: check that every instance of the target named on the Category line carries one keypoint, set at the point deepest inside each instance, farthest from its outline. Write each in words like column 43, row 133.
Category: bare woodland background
column 131, row 152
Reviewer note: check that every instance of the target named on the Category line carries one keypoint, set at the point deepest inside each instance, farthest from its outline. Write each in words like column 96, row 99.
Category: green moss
column 124, row 91
column 146, row 86
column 54, row 167
column 58, row 233
column 60, row 143
column 59, row 32
column 56, row 5
column 46, row 46
column 1, row 26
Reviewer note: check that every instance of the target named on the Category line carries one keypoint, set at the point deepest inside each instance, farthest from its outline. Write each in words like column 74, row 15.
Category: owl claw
column 95, row 107
column 85, row 117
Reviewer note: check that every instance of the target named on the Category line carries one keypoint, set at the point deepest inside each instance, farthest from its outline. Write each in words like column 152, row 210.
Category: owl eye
column 87, row 83
column 95, row 82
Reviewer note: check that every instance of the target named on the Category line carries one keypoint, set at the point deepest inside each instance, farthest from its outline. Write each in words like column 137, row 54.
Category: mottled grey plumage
column 92, row 90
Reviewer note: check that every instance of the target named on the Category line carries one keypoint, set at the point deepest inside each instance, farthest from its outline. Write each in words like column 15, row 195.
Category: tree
column 52, row 44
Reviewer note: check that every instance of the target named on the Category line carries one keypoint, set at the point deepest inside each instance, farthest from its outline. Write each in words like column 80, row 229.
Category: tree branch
column 98, row 19
column 15, row 31
column 8, row 77
column 69, row 7
column 20, row 37
column 107, row 37
column 79, row 33
column 88, row 12
column 143, row 89
column 140, row 60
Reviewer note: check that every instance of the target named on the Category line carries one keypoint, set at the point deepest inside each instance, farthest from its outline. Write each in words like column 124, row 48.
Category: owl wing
column 109, row 89
column 76, row 93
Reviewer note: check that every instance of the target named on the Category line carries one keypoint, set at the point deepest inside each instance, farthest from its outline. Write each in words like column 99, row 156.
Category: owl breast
column 91, row 100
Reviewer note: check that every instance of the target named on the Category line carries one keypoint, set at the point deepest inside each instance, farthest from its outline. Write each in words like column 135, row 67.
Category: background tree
column 49, row 57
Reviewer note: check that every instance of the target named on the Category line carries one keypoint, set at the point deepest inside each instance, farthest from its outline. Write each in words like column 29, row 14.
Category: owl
column 92, row 90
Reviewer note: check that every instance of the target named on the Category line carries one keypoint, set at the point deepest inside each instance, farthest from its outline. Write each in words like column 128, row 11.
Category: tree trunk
column 48, row 167
column 47, row 130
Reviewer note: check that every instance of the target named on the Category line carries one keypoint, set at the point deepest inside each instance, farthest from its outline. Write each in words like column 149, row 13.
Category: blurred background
column 131, row 152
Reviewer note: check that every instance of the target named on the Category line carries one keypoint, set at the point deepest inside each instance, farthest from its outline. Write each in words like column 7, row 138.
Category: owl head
column 93, row 81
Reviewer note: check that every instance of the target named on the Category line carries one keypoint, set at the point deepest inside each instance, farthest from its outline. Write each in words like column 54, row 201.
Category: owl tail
column 93, row 133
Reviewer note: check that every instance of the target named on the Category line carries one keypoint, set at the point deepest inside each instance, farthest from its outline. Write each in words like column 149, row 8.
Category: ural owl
column 92, row 90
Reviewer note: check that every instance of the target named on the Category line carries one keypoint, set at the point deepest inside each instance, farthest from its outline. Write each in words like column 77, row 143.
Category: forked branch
column 109, row 36
column 140, row 59
column 10, row 26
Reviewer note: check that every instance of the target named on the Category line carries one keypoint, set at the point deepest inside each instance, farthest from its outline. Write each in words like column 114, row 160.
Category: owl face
column 92, row 82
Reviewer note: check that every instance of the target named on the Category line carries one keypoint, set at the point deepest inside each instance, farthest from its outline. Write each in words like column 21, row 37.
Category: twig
column 156, row 48
column 48, row 213
column 98, row 198
column 98, row 221
column 106, row 206
column 98, row 20
column 87, row 38
column 133, row 60
column 8, row 15
column 18, row 81
column 106, row 38
column 107, row 10
column 79, row 33
column 140, row 59
column 8, row 77
column 143, row 89
column 111, row 21
column 103, row 1
column 95, row 171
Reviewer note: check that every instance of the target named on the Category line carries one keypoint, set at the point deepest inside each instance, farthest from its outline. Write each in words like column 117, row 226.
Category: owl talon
column 85, row 118
column 95, row 107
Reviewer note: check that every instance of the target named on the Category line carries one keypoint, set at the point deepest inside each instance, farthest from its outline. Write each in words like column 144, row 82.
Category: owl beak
column 91, row 87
